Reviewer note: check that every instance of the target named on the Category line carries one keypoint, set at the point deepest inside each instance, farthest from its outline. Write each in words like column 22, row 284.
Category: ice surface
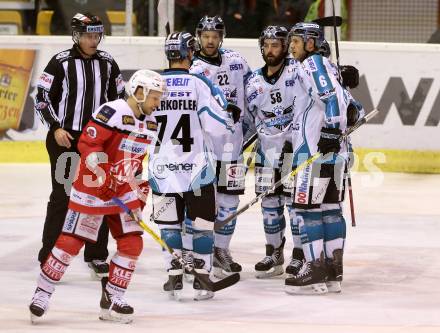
column 391, row 281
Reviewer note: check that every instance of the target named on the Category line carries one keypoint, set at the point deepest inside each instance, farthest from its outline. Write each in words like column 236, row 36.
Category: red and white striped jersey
column 115, row 136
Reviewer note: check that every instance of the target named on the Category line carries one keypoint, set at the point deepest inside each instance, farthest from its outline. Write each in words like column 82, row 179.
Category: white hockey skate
column 39, row 304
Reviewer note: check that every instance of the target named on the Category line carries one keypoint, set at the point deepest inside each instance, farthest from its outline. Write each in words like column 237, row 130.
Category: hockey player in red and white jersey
column 112, row 145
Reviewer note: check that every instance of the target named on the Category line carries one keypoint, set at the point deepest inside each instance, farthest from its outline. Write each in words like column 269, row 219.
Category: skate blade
column 175, row 295
column 34, row 319
column 274, row 271
column 219, row 273
column 202, row 295
column 334, row 286
column 107, row 315
column 313, row 289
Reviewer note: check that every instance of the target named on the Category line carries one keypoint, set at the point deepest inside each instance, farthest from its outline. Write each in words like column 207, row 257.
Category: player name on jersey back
column 178, row 104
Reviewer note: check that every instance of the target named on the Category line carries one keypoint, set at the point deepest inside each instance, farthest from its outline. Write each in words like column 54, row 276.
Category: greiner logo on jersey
column 133, row 147
column 162, row 168
column 179, row 104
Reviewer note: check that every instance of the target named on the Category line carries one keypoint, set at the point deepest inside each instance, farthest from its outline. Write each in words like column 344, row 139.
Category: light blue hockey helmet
column 309, row 30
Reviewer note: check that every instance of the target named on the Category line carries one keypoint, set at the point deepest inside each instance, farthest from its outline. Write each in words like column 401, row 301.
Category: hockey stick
column 336, row 20
column 162, row 10
column 329, row 21
column 350, row 192
column 335, row 31
column 205, row 281
column 294, row 172
column 250, row 141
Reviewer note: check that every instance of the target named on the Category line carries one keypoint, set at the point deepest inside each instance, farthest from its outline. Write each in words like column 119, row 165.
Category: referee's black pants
column 59, row 200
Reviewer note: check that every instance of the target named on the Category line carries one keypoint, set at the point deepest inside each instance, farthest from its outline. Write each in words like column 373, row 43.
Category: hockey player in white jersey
column 229, row 71
column 319, row 188
column 273, row 96
column 181, row 173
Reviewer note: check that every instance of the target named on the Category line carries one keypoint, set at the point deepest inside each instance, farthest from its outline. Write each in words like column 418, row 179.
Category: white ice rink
column 391, row 281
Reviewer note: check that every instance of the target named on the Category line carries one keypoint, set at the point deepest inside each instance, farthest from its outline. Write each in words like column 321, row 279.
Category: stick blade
column 210, row 285
column 328, row 21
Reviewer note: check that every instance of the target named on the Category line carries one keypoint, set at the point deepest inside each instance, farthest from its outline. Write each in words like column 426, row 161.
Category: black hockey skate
column 223, row 263
column 99, row 269
column 296, row 262
column 335, row 272
column 200, row 293
column 174, row 284
column 114, row 307
column 39, row 304
column 272, row 263
column 310, row 279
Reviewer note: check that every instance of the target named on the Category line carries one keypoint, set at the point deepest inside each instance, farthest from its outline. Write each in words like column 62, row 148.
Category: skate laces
column 225, row 256
column 267, row 260
column 187, row 257
column 41, row 298
column 305, row 269
column 295, row 262
column 118, row 301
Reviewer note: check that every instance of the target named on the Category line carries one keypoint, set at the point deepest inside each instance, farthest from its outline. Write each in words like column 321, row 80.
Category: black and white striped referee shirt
column 71, row 88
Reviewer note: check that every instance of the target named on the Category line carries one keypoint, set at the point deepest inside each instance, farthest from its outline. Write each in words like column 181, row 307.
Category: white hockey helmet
column 148, row 80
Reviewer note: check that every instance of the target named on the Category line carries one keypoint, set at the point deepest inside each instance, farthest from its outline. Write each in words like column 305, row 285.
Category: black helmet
column 273, row 32
column 85, row 23
column 178, row 45
column 214, row 23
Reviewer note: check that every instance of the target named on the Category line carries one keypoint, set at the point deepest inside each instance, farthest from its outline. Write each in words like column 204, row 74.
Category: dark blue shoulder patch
column 105, row 114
